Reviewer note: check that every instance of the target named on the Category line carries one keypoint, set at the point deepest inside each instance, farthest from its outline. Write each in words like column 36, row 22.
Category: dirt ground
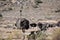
column 11, row 10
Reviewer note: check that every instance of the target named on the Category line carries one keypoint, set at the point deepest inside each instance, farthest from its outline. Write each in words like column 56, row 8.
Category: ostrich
column 24, row 23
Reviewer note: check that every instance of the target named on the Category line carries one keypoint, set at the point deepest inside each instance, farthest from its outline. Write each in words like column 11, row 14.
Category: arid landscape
column 44, row 11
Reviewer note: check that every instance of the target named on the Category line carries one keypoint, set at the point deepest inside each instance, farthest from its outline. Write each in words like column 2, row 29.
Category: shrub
column 40, row 35
column 35, row 6
column 38, row 1
column 1, row 15
column 2, row 0
column 10, row 9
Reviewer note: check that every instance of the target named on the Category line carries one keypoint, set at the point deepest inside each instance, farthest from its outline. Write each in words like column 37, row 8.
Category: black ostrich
column 24, row 23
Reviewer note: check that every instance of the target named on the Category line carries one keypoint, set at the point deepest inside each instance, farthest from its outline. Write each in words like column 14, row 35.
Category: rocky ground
column 46, row 10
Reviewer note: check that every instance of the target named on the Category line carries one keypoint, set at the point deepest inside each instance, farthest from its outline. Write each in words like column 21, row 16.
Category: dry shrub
column 41, row 35
column 1, row 15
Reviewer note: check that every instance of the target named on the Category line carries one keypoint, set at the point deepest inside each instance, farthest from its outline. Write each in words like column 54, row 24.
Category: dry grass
column 10, row 34
column 55, row 34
